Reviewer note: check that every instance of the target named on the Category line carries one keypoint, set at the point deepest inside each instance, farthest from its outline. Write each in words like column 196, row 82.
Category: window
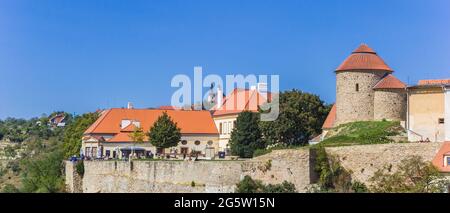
column 210, row 143
column 184, row 142
column 448, row 160
column 87, row 153
column 220, row 127
column 108, row 153
column 441, row 120
column 197, row 143
column 357, row 88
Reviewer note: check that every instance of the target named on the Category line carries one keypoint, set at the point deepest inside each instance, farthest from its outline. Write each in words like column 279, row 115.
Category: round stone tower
column 355, row 80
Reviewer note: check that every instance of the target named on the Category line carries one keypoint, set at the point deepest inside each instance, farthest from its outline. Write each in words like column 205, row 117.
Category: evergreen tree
column 246, row 137
column 164, row 133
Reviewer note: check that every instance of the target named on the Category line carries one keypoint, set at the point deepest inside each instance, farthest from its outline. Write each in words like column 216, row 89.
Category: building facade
column 226, row 111
column 429, row 111
column 109, row 136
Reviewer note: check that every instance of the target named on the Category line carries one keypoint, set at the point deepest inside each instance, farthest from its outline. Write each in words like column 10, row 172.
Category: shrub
column 248, row 185
column 9, row 188
column 80, row 168
column 413, row 175
column 332, row 176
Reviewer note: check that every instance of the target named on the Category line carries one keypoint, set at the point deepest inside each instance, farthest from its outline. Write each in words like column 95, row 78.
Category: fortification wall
column 364, row 160
column 199, row 176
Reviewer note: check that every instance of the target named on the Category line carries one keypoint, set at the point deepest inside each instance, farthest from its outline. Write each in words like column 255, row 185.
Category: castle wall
column 364, row 160
column 192, row 176
column 390, row 104
column 352, row 105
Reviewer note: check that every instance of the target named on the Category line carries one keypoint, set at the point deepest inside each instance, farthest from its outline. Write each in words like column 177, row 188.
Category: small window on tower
column 441, row 120
column 357, row 88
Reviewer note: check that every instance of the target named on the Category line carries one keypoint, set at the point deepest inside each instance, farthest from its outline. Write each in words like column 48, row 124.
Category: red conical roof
column 364, row 58
column 390, row 82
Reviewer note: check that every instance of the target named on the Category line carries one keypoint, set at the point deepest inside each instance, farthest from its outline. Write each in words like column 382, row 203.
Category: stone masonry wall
column 294, row 166
column 352, row 105
column 73, row 179
column 390, row 104
column 199, row 176
column 365, row 160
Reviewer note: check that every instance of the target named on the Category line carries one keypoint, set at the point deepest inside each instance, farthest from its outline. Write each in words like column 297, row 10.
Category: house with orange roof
column 428, row 113
column 442, row 159
column 366, row 90
column 225, row 113
column 109, row 135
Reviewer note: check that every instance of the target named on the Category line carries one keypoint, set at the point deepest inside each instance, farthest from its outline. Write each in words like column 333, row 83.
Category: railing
column 415, row 133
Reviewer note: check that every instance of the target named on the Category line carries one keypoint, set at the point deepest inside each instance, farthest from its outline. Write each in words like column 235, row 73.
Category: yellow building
column 225, row 113
column 428, row 111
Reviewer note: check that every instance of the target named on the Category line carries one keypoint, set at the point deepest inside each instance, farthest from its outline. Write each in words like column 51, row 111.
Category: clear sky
column 79, row 56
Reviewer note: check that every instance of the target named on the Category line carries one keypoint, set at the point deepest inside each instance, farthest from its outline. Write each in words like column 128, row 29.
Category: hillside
column 365, row 132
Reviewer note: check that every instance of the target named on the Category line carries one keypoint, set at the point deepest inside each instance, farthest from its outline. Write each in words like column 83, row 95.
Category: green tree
column 164, row 133
column 43, row 173
column 246, row 137
column 413, row 175
column 301, row 117
column 74, row 132
column 137, row 136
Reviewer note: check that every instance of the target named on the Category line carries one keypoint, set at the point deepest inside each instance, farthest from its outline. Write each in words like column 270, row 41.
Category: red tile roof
column 168, row 107
column 331, row 118
column 240, row 100
column 434, row 82
column 438, row 160
column 390, row 82
column 364, row 58
column 190, row 122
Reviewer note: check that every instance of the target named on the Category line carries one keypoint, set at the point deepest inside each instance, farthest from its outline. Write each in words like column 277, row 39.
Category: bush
column 413, row 175
column 9, row 188
column 14, row 166
column 248, row 185
column 332, row 176
column 80, row 168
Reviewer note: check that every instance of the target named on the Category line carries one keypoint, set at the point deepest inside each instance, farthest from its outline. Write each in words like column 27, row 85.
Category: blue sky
column 79, row 56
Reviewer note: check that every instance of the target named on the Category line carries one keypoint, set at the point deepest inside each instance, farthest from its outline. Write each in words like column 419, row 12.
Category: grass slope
column 363, row 132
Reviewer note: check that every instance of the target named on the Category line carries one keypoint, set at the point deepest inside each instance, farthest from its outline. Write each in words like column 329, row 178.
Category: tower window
column 357, row 88
column 441, row 121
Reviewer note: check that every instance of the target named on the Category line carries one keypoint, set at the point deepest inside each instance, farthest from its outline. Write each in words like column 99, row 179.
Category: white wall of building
column 447, row 114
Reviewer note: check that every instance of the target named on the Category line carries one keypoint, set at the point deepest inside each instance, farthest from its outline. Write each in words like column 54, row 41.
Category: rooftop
column 190, row 122
column 364, row 58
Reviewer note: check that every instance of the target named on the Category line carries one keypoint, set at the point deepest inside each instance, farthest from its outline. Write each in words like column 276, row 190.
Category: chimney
column 262, row 89
column 129, row 105
column 219, row 97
